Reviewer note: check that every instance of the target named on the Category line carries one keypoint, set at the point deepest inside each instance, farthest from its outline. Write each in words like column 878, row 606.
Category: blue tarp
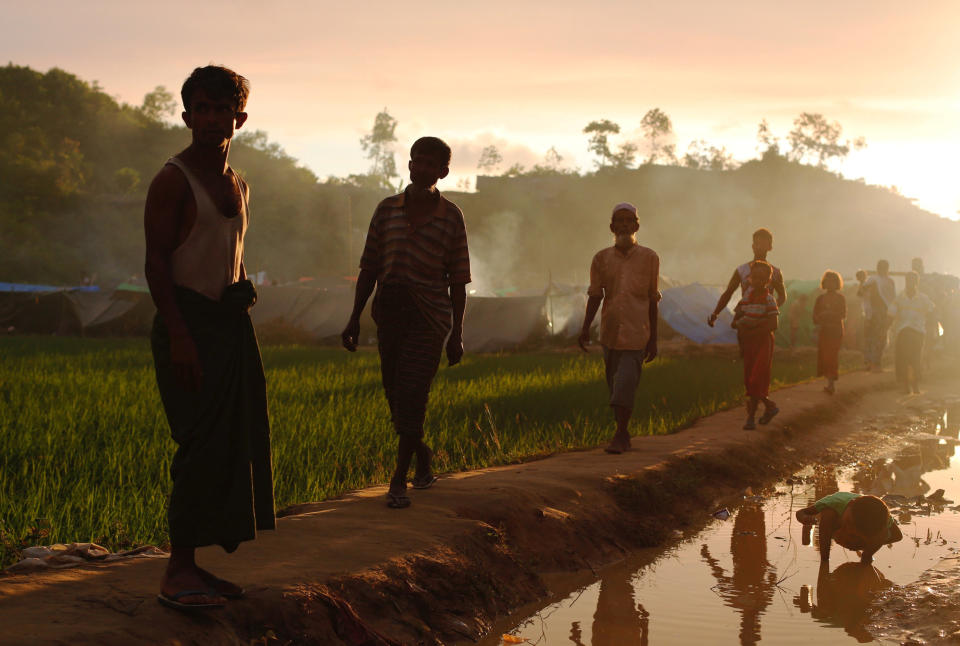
column 687, row 308
column 26, row 288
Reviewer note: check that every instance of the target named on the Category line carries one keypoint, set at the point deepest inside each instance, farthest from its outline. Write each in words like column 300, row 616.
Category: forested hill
column 75, row 165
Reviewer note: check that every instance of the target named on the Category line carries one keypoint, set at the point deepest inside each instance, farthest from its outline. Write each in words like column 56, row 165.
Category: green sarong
column 222, row 474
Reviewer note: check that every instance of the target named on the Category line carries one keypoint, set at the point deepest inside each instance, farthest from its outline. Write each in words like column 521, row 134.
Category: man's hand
column 651, row 353
column 351, row 335
column 186, row 361
column 712, row 319
column 454, row 349
column 584, row 339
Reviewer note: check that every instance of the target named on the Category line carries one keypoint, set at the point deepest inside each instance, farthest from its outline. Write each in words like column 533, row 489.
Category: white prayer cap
column 626, row 206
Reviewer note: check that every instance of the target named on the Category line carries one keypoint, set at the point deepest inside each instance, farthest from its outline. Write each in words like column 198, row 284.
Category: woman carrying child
column 755, row 318
column 829, row 312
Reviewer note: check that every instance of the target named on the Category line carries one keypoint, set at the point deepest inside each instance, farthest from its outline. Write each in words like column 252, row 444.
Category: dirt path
column 474, row 547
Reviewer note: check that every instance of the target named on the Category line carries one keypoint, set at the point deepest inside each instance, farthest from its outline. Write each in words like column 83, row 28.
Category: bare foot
column 618, row 445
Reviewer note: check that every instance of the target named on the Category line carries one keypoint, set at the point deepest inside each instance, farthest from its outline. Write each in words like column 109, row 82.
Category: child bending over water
column 859, row 523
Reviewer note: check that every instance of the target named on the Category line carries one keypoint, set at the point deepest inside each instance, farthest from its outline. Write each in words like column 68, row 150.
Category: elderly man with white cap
column 624, row 278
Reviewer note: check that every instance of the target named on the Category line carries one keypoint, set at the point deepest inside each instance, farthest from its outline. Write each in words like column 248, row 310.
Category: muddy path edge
column 475, row 548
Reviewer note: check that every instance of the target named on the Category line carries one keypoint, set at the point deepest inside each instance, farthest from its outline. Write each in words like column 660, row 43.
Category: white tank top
column 210, row 257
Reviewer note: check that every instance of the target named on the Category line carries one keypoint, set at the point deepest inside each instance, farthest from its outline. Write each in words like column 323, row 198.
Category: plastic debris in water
column 722, row 514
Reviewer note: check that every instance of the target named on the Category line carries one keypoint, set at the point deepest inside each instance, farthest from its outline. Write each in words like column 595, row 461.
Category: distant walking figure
column 417, row 259
column 205, row 352
column 877, row 293
column 910, row 311
column 762, row 245
column 829, row 313
column 755, row 318
column 624, row 278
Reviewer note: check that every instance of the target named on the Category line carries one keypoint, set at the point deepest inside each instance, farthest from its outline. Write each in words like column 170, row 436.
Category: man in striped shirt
column 417, row 259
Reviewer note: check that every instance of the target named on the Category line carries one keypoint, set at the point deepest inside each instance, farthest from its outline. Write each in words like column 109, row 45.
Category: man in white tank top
column 205, row 351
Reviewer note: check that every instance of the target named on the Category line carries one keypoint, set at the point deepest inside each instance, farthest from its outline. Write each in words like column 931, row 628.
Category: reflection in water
column 903, row 475
column 842, row 597
column 685, row 599
column 754, row 581
column 619, row 619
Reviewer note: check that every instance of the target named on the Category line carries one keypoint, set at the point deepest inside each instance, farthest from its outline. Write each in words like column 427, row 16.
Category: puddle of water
column 749, row 578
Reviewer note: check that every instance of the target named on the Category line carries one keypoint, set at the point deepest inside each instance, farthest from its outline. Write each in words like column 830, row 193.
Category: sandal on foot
column 768, row 415
column 216, row 582
column 750, row 425
column 173, row 601
column 397, row 500
column 424, row 482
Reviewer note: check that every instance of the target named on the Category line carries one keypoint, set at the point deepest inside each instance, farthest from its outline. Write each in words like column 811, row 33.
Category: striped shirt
column 754, row 308
column 427, row 259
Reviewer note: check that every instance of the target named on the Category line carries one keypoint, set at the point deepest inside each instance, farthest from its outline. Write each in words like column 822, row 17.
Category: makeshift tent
column 39, row 309
column 494, row 324
column 687, row 308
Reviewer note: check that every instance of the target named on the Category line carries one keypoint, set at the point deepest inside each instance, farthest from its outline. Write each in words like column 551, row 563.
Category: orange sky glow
column 528, row 76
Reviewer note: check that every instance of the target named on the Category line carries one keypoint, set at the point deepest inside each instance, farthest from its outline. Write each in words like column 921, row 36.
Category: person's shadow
column 753, row 583
column 842, row 597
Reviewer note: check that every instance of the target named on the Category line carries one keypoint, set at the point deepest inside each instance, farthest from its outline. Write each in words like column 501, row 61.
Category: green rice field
column 85, row 450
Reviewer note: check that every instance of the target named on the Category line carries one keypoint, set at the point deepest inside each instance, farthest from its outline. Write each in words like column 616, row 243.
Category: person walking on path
column 878, row 292
column 762, row 245
column 829, row 313
column 624, row 279
column 755, row 319
column 910, row 311
column 205, row 351
column 417, row 259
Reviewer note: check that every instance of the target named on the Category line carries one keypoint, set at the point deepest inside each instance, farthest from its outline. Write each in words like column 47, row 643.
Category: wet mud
column 753, row 575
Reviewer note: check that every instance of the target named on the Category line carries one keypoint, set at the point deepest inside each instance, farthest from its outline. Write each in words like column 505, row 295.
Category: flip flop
column 424, row 482
column 768, row 415
column 750, row 425
column 214, row 580
column 397, row 500
column 172, row 600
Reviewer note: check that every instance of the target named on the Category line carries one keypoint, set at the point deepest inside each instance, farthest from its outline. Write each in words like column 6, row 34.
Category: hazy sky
column 530, row 75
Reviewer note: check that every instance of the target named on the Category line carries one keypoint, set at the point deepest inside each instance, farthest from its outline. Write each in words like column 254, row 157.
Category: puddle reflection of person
column 619, row 619
column 751, row 587
column 842, row 597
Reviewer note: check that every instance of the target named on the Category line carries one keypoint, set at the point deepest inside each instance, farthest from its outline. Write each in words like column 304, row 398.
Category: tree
column 378, row 145
column 159, row 104
column 658, row 130
column 599, row 145
column 625, row 155
column 490, row 159
column 702, row 156
column 126, row 180
column 767, row 143
column 514, row 171
column 552, row 159
column 814, row 138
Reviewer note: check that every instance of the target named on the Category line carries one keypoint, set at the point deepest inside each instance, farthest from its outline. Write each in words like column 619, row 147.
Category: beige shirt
column 627, row 282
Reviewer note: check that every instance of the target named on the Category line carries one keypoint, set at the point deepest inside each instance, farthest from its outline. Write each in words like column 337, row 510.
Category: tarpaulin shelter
column 686, row 309
column 39, row 309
